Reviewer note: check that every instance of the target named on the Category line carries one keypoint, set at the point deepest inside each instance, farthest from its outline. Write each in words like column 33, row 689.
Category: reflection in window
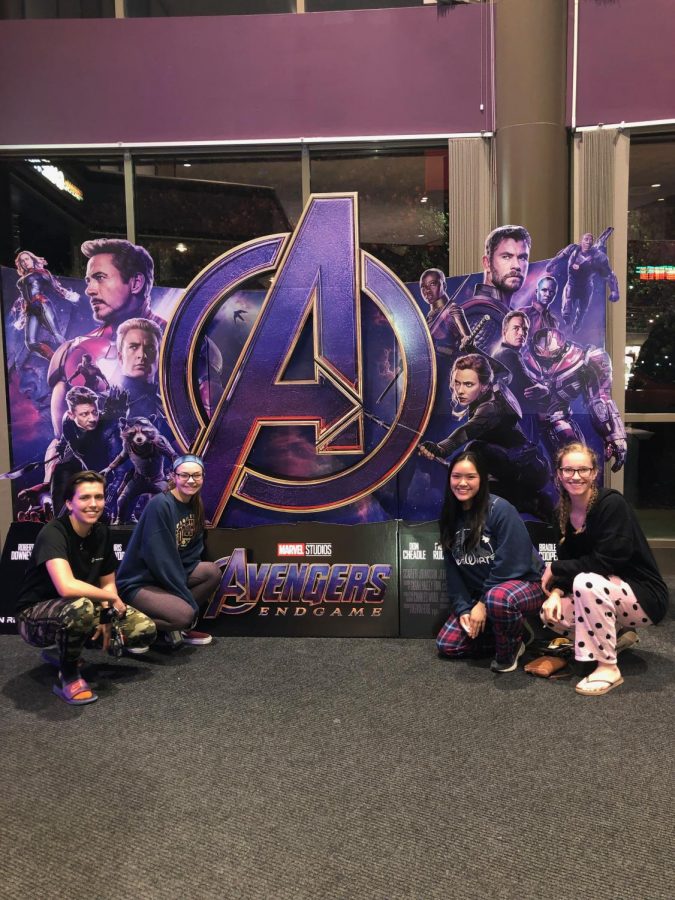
column 650, row 310
column 648, row 476
column 57, row 9
column 333, row 5
column 403, row 203
column 191, row 209
column 56, row 203
column 137, row 8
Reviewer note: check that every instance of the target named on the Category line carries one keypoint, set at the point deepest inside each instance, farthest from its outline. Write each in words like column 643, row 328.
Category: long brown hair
column 564, row 504
column 477, row 512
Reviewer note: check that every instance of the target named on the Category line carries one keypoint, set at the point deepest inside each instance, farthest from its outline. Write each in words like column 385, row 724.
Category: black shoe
column 626, row 639
column 170, row 639
column 509, row 665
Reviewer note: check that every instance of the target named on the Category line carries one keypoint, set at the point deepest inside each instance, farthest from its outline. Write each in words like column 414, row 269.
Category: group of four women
column 604, row 582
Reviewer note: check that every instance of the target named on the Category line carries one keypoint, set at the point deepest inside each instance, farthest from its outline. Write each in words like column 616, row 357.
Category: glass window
column 403, row 202
column 56, row 203
column 137, row 8
column 191, row 209
column 57, row 9
column 650, row 310
column 333, row 5
column 649, row 485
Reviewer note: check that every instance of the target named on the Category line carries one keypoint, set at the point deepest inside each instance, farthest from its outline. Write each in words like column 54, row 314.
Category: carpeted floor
column 309, row 768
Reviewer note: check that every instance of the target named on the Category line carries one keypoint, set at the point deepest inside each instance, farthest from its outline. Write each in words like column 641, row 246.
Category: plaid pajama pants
column 506, row 604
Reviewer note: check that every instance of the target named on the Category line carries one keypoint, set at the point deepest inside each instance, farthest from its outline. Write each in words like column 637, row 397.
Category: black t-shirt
column 90, row 559
column 613, row 543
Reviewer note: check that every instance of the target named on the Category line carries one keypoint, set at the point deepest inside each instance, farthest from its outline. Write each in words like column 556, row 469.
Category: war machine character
column 585, row 262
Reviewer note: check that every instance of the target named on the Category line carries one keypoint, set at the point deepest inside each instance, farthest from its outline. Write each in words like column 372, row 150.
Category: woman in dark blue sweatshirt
column 492, row 569
column 162, row 567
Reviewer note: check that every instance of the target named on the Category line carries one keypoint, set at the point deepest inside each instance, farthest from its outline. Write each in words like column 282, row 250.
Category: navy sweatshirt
column 163, row 550
column 504, row 553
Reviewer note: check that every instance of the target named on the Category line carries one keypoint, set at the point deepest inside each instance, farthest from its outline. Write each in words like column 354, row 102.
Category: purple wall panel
column 626, row 71
column 396, row 71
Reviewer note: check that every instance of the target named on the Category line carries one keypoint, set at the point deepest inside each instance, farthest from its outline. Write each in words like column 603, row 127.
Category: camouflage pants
column 68, row 624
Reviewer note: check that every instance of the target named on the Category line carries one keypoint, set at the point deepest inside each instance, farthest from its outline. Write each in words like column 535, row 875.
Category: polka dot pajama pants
column 598, row 608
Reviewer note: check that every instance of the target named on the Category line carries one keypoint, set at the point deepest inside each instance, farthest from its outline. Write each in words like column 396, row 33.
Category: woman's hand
column 547, row 579
column 119, row 606
column 476, row 619
column 465, row 623
column 552, row 608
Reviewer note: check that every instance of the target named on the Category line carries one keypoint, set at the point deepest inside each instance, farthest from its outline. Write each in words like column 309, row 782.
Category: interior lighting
column 656, row 185
column 424, row 200
column 187, row 165
column 181, row 247
column 660, row 199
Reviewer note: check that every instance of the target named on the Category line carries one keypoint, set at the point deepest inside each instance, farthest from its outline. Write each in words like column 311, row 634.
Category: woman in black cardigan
column 605, row 579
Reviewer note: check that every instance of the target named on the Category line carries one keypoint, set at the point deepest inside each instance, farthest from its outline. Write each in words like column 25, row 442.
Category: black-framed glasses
column 581, row 471
column 189, row 476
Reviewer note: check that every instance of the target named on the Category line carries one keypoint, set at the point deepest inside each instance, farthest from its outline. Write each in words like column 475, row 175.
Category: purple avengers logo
column 319, row 276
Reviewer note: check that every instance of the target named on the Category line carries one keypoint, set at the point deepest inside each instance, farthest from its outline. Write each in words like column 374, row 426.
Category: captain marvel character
column 570, row 371
column 37, row 288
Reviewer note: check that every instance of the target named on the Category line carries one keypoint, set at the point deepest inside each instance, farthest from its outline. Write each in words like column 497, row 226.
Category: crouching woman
column 605, row 581
column 162, row 570
column 493, row 571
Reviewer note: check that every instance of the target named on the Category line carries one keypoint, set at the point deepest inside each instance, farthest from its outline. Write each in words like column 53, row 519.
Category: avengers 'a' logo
column 319, row 277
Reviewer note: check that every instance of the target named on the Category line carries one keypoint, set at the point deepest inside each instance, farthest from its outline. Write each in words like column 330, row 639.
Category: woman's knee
column 79, row 615
column 183, row 617
column 139, row 629
column 496, row 598
column 586, row 583
column 447, row 648
column 211, row 574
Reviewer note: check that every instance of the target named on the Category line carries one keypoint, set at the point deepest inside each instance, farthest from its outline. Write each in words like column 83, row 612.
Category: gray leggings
column 172, row 613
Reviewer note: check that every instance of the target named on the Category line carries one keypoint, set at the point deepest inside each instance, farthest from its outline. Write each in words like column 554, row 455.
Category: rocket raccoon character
column 146, row 448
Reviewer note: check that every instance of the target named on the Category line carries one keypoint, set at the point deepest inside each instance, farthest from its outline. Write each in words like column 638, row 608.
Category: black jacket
column 613, row 544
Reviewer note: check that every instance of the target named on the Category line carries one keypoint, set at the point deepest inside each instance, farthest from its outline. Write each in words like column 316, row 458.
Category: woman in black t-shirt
column 605, row 579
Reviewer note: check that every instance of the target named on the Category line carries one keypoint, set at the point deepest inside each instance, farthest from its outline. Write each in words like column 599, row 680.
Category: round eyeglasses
column 581, row 471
